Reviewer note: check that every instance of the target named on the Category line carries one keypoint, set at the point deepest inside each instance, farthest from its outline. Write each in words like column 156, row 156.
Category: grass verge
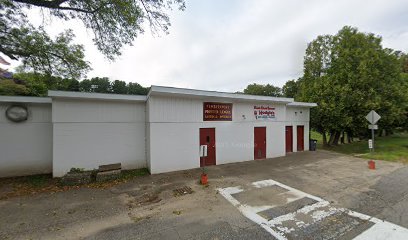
column 390, row 148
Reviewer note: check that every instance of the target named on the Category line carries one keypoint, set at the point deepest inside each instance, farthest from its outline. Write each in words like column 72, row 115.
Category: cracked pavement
column 147, row 208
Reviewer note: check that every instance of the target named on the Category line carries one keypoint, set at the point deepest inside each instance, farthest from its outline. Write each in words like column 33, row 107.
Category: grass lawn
column 390, row 148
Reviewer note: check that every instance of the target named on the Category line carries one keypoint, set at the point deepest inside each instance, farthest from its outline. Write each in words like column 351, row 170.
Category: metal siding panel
column 26, row 147
column 67, row 110
column 37, row 113
column 298, row 117
column 88, row 145
column 171, row 109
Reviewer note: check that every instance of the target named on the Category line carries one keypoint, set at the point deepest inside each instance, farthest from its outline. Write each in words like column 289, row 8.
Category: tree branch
column 56, row 4
column 64, row 60
column 43, row 3
column 149, row 15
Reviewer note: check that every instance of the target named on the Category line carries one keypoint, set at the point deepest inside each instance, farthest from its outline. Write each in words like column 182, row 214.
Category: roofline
column 302, row 104
column 150, row 91
column 205, row 93
column 105, row 96
column 101, row 96
column 22, row 99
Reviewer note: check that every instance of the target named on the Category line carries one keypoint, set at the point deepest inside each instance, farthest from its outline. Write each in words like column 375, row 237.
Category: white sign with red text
column 264, row 112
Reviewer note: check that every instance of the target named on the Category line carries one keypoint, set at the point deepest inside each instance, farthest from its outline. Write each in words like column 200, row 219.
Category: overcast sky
column 226, row 45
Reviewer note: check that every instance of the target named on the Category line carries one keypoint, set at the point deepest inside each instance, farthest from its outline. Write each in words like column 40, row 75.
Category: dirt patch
column 29, row 185
column 164, row 180
column 145, row 199
column 189, row 175
column 45, row 183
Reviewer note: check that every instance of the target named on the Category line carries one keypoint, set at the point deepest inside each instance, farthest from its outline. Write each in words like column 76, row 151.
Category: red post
column 371, row 164
column 204, row 179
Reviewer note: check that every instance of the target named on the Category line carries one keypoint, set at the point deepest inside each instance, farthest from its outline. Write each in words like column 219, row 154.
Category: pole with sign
column 370, row 144
column 373, row 118
column 203, row 155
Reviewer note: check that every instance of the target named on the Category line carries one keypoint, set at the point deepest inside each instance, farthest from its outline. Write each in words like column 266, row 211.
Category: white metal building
column 162, row 131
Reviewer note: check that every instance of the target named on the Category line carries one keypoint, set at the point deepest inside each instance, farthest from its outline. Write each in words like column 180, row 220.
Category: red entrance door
column 289, row 139
column 207, row 137
column 259, row 142
column 300, row 138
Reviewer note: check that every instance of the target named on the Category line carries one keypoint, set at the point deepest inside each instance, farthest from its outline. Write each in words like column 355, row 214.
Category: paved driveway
column 149, row 208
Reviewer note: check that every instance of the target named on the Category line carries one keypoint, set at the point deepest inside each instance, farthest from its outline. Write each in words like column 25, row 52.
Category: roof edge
column 302, row 104
column 23, row 99
column 206, row 93
column 100, row 96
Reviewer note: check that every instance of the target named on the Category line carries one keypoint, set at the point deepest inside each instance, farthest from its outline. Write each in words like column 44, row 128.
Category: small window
column 208, row 139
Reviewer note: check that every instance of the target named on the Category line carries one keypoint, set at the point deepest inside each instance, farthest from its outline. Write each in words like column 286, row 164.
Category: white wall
column 174, row 133
column 173, row 147
column 162, row 134
column 89, row 133
column 298, row 116
column 147, row 131
column 26, row 147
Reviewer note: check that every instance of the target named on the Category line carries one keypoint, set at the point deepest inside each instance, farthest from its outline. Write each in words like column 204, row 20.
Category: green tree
column 137, row 89
column 119, row 87
column 349, row 74
column 263, row 90
column 69, row 84
column 103, row 85
column 404, row 80
column 35, row 83
column 10, row 88
column 403, row 59
column 38, row 84
column 39, row 53
column 85, row 85
column 290, row 89
column 114, row 23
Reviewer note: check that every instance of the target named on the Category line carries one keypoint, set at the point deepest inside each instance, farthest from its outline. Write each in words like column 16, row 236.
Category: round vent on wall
column 17, row 113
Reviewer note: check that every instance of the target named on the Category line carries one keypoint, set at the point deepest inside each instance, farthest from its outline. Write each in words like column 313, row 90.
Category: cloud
column 226, row 45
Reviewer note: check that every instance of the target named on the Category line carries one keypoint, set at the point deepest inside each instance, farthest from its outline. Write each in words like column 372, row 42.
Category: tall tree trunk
column 349, row 140
column 342, row 138
column 336, row 138
column 324, row 138
column 331, row 138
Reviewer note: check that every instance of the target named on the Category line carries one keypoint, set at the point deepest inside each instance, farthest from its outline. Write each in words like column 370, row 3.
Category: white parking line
column 384, row 230
column 380, row 230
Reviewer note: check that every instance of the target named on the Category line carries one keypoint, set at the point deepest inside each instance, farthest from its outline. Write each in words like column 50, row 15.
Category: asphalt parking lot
column 319, row 195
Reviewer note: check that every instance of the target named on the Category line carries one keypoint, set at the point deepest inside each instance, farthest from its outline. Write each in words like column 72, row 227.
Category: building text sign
column 264, row 112
column 213, row 111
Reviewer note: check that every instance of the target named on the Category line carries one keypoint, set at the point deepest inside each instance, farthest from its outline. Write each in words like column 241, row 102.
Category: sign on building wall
column 213, row 111
column 264, row 112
